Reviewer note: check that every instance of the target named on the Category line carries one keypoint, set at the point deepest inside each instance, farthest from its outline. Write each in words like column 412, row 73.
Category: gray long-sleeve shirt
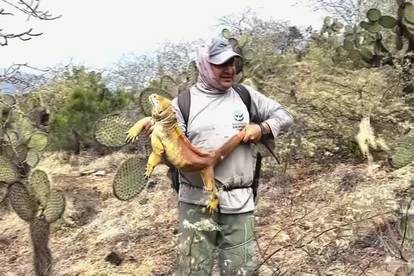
column 213, row 119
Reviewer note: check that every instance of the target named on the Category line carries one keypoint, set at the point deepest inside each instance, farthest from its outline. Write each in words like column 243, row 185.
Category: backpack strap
column 184, row 102
column 244, row 95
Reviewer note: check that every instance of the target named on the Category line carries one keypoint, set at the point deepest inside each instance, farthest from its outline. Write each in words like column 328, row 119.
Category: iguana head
column 161, row 107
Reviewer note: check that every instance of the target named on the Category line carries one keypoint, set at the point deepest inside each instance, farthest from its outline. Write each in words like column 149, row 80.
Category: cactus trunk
column 42, row 257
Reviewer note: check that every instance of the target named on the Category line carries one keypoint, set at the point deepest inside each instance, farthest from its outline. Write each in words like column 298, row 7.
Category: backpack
column 184, row 102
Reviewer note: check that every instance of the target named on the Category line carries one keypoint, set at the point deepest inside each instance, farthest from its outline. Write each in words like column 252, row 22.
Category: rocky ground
column 315, row 220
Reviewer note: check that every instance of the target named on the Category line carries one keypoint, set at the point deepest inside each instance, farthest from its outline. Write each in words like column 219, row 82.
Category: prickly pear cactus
column 33, row 199
column 129, row 179
column 403, row 152
column 331, row 26
column 39, row 205
column 381, row 39
column 111, row 130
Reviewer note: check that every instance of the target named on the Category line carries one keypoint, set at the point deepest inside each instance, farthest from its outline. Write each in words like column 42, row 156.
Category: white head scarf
column 217, row 52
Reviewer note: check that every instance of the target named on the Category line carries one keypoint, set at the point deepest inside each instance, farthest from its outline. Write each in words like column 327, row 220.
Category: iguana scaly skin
column 167, row 140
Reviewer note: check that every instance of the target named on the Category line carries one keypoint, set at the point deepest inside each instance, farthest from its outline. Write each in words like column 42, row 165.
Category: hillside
column 335, row 220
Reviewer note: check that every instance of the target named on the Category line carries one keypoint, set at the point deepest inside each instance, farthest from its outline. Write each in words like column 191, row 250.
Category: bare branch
column 13, row 75
column 2, row 12
column 32, row 9
column 24, row 36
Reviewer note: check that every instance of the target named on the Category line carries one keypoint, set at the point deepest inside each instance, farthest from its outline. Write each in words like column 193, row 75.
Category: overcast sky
column 97, row 33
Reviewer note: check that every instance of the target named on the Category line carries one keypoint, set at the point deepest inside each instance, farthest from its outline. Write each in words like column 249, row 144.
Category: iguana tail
column 228, row 147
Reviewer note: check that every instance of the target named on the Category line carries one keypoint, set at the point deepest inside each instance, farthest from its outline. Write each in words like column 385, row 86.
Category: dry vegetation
column 314, row 221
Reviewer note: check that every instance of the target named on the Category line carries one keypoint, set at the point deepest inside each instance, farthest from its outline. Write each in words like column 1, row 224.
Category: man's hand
column 145, row 124
column 253, row 133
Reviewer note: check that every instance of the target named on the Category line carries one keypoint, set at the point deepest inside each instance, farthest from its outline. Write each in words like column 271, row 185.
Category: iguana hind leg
column 155, row 156
column 207, row 175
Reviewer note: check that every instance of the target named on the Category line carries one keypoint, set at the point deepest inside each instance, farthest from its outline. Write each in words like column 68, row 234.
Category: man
column 216, row 113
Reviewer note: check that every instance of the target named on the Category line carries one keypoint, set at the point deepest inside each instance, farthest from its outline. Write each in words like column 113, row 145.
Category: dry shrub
column 328, row 103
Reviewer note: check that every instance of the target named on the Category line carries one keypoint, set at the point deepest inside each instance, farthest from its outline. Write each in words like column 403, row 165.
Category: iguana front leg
column 136, row 129
column 155, row 156
column 207, row 175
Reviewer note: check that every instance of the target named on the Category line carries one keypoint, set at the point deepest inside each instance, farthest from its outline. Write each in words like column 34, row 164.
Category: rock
column 86, row 172
column 114, row 258
column 100, row 173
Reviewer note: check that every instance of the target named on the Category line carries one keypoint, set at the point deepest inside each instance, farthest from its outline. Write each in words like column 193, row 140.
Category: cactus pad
column 169, row 85
column 243, row 39
column 22, row 202
column 8, row 99
column 111, row 130
column 373, row 15
column 40, row 186
column 12, row 137
column 55, row 206
column 388, row 22
column 348, row 44
column 364, row 25
column 32, row 158
column 129, row 179
column 226, row 33
column 3, row 191
column 8, row 171
column 15, row 153
column 403, row 152
column 374, row 27
column 233, row 42
column 409, row 14
column 38, row 141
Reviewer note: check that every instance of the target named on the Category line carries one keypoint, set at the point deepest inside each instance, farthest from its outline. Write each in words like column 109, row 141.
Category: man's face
column 224, row 73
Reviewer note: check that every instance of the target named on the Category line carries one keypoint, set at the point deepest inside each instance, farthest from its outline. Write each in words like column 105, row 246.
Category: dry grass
column 316, row 224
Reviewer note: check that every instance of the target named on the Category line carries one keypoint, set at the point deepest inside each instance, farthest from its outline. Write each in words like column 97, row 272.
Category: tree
column 135, row 72
column 13, row 74
column 31, row 9
column 351, row 11
column 80, row 99
column 279, row 34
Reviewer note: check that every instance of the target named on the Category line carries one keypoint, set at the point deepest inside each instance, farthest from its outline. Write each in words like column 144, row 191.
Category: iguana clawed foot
column 136, row 129
column 213, row 203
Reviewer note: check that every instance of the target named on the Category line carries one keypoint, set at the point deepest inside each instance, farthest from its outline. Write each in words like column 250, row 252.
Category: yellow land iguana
column 167, row 140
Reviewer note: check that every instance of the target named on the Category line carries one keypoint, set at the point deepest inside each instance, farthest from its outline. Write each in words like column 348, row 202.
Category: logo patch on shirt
column 238, row 115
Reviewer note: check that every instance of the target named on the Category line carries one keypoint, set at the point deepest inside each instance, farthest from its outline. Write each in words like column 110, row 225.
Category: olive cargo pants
column 202, row 235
